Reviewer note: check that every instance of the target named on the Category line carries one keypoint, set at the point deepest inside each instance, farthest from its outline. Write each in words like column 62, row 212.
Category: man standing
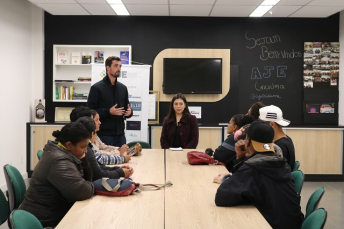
column 273, row 115
column 264, row 180
column 110, row 99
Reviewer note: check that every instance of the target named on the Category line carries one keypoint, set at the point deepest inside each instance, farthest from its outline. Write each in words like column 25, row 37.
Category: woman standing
column 180, row 128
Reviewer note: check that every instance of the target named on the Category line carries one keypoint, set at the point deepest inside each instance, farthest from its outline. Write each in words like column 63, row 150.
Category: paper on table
column 176, row 149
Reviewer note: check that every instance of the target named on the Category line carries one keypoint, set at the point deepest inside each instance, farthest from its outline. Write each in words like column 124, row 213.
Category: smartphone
column 132, row 151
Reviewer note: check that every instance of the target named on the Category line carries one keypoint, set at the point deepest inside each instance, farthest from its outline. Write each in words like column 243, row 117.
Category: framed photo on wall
column 153, row 107
column 62, row 114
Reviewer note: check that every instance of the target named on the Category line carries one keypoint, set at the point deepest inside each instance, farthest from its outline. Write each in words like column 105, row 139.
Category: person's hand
column 116, row 111
column 128, row 111
column 127, row 157
column 218, row 178
column 131, row 170
column 240, row 149
column 124, row 148
column 126, row 172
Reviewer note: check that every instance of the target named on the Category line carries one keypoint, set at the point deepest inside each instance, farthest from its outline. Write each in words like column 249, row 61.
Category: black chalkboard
column 267, row 53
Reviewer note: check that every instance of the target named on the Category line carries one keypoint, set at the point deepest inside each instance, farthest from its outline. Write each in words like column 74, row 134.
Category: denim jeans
column 117, row 140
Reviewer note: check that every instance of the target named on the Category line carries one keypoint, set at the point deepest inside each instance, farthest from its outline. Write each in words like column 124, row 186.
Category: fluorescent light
column 260, row 11
column 269, row 2
column 120, row 9
column 114, row 2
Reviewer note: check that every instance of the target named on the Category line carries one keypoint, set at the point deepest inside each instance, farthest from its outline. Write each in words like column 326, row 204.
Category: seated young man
column 273, row 115
column 264, row 180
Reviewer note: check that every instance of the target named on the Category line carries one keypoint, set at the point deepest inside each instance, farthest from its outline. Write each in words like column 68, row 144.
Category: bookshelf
column 70, row 76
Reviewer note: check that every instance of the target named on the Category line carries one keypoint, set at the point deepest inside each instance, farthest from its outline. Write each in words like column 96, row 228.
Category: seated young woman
column 89, row 124
column 58, row 178
column 104, row 149
column 99, row 171
column 226, row 151
column 180, row 128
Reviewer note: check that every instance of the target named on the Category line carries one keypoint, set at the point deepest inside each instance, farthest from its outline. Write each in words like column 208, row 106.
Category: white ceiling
column 198, row 8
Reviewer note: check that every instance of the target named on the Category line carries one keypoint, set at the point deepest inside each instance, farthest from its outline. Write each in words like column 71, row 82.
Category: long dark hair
column 172, row 114
column 255, row 109
column 241, row 119
column 88, row 123
column 72, row 132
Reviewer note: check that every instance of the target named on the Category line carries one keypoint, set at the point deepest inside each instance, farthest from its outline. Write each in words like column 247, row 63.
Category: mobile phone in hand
column 132, row 151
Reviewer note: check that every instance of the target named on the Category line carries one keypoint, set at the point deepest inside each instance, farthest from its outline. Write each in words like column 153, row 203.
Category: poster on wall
column 321, row 64
column 136, row 78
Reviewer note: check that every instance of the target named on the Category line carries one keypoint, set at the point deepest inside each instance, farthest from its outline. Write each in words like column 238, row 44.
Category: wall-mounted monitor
column 192, row 75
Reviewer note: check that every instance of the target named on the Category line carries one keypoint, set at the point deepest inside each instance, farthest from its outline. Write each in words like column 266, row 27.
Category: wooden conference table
column 189, row 203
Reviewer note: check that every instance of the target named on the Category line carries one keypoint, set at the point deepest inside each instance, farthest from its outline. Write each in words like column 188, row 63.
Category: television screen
column 192, row 75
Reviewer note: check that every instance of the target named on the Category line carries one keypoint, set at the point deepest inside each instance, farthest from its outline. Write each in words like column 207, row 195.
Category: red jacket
column 188, row 129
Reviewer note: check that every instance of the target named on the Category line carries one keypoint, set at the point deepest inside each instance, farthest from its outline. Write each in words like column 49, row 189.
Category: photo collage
column 320, row 63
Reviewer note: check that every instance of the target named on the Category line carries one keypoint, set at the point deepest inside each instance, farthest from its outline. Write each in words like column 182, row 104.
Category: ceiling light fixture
column 264, row 7
column 118, row 7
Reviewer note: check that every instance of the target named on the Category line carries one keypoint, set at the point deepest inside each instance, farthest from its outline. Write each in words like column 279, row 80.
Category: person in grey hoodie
column 263, row 180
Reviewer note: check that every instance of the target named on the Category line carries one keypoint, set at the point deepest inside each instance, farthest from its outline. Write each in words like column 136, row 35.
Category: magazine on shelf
column 124, row 55
column 98, row 56
column 76, row 58
column 62, row 57
column 86, row 58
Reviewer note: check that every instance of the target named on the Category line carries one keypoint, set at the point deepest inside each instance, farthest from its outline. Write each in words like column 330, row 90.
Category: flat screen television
column 192, row 76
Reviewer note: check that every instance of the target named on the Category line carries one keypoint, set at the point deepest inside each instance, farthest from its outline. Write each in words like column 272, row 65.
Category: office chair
column 4, row 209
column 298, row 177
column 296, row 166
column 313, row 201
column 21, row 219
column 39, row 154
column 145, row 145
column 15, row 185
column 316, row 220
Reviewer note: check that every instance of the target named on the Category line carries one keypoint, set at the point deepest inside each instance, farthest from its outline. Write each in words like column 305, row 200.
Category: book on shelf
column 62, row 57
column 64, row 93
column 98, row 57
column 124, row 55
column 76, row 58
column 58, row 81
column 84, row 79
column 86, row 57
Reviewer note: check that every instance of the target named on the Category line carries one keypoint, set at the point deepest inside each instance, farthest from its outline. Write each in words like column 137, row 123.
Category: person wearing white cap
column 274, row 115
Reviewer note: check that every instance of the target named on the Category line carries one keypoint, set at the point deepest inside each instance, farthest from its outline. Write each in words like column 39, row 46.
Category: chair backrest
column 313, row 201
column 15, row 185
column 298, row 177
column 316, row 220
column 4, row 209
column 145, row 145
column 39, row 154
column 296, row 166
column 20, row 219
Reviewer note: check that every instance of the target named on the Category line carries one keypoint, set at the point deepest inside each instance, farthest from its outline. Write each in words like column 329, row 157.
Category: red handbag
column 200, row 158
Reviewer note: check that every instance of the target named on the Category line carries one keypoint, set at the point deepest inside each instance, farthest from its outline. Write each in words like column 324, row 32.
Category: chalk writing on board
column 262, row 40
column 268, row 87
column 266, row 54
column 264, row 96
column 256, row 74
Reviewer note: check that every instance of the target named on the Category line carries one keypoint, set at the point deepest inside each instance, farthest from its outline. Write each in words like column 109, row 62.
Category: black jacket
column 264, row 180
column 100, row 171
column 56, row 183
column 226, row 152
column 103, row 95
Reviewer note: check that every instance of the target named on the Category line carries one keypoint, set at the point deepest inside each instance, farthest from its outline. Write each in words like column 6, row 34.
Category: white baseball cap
column 273, row 114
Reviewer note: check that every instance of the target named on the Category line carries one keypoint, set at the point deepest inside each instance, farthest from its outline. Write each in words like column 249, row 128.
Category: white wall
column 21, row 77
column 341, row 70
